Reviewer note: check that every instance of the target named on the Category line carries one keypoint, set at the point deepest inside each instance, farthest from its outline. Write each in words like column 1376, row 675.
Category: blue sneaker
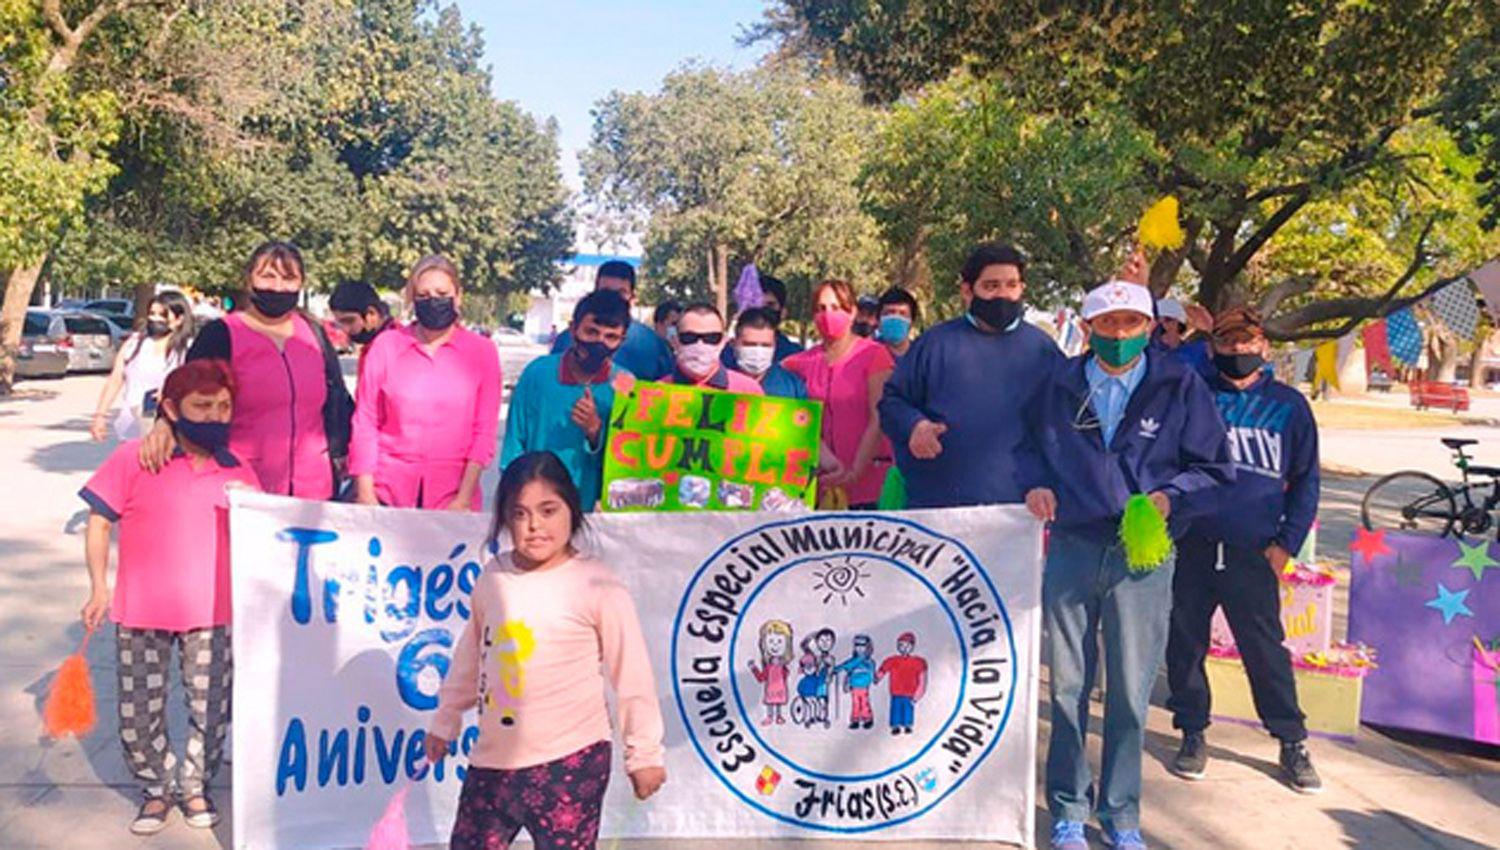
column 1068, row 835
column 1124, row 839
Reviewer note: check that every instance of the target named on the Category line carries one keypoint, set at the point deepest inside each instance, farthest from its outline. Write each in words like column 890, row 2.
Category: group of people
column 981, row 409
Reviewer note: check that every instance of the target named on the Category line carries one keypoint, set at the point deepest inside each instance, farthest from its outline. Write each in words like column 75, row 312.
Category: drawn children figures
column 859, row 675
column 806, row 711
column 908, row 675
column 773, row 669
column 821, row 644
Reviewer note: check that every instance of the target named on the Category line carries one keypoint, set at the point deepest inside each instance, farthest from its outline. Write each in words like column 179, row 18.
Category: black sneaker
column 1192, row 757
column 1296, row 766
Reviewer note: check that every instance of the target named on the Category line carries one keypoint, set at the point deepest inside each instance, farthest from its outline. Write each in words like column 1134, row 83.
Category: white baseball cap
column 1118, row 295
column 1171, row 308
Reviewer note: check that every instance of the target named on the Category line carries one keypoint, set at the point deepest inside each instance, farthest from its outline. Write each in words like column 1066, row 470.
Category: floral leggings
column 558, row 803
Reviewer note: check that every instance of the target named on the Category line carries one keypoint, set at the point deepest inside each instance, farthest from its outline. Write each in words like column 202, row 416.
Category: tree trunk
column 19, row 285
column 1476, row 360
column 142, row 296
column 1442, row 347
column 719, row 273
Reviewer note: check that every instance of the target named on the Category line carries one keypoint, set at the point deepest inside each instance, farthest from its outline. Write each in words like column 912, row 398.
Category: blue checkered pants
column 145, row 657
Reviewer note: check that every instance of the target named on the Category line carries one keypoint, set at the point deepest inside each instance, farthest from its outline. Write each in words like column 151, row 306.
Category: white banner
column 344, row 617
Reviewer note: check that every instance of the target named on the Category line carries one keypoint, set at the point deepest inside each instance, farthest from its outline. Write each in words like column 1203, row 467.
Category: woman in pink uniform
column 291, row 422
column 847, row 373
column 427, row 412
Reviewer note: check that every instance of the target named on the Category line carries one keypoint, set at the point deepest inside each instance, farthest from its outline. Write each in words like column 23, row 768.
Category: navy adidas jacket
column 1273, row 441
column 1170, row 439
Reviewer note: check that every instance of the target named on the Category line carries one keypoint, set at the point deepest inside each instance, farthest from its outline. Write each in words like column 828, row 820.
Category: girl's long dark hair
column 176, row 303
column 529, row 467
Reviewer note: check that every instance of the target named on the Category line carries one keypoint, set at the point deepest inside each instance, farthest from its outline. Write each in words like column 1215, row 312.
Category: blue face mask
column 894, row 329
column 209, row 436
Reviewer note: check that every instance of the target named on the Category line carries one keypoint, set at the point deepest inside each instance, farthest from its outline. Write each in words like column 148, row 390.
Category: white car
column 516, row 351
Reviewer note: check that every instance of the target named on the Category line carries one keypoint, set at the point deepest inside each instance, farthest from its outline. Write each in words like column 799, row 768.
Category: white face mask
column 698, row 360
column 755, row 359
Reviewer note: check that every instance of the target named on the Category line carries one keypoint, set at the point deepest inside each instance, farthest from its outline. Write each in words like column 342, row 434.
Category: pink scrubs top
column 277, row 428
column 844, row 389
column 173, row 567
column 420, row 416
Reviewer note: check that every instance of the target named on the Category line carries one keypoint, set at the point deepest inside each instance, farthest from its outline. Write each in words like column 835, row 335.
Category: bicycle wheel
column 1409, row 501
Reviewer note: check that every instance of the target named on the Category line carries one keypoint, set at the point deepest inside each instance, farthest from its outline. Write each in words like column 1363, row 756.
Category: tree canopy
column 156, row 142
column 730, row 168
column 1256, row 115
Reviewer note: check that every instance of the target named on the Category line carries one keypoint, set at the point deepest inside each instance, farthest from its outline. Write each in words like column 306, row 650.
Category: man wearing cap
column 951, row 406
column 1240, row 540
column 1116, row 421
column 1172, row 329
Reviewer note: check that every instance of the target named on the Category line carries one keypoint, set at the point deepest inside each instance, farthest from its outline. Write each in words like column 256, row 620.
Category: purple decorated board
column 1430, row 606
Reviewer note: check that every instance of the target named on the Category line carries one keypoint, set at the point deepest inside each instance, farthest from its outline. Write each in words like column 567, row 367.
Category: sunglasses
column 692, row 337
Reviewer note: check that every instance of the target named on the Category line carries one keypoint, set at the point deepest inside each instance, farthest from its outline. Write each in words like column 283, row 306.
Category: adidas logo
column 1149, row 427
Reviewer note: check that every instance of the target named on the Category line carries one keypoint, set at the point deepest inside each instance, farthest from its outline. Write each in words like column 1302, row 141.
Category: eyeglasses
column 692, row 337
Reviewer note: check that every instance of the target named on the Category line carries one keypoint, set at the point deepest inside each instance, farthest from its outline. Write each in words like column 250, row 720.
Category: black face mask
column 592, row 355
column 1238, row 366
column 274, row 303
column 157, row 328
column 774, row 315
column 863, row 328
column 436, row 314
column 364, row 337
column 209, row 436
column 998, row 313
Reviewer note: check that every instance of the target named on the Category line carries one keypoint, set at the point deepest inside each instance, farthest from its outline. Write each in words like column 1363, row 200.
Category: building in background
column 551, row 312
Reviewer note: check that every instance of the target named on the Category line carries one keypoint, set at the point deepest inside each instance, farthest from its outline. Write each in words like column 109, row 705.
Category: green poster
column 679, row 448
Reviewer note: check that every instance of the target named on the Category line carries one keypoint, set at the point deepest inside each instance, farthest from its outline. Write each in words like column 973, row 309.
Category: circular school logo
column 843, row 673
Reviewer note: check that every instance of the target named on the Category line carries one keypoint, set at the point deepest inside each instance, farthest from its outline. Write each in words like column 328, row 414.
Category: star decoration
column 1369, row 544
column 1450, row 604
column 1475, row 559
column 1407, row 575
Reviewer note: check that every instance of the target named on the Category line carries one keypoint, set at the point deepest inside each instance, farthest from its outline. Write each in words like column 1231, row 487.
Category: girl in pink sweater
column 547, row 625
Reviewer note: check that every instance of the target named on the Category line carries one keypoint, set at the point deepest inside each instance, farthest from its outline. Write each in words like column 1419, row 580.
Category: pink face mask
column 833, row 324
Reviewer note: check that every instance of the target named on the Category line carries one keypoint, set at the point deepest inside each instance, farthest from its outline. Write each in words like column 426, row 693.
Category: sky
column 557, row 57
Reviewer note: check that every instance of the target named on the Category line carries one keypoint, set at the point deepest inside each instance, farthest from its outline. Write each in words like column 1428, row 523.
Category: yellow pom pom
column 1159, row 228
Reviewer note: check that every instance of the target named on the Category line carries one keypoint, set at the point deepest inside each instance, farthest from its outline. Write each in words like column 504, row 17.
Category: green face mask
column 1118, row 352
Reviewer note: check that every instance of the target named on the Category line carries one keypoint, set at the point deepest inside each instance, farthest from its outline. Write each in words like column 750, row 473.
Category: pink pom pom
column 390, row 831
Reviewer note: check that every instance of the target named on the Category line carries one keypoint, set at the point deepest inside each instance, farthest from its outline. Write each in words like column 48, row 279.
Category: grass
column 1370, row 417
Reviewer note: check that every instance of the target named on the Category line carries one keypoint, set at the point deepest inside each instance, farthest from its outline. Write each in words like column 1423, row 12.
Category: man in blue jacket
column 1117, row 421
column 644, row 354
column 1242, row 538
column 953, row 407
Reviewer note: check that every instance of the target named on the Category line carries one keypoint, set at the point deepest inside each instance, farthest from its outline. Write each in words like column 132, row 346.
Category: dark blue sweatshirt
column 979, row 385
column 1273, row 440
column 1170, row 439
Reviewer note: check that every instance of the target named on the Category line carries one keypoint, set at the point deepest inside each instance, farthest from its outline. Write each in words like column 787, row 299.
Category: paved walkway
column 1382, row 793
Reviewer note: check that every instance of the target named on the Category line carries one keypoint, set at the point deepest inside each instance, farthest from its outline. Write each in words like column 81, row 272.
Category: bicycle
column 1434, row 509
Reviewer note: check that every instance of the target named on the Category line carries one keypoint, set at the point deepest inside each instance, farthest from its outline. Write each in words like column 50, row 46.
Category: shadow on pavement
column 75, row 456
column 1364, row 829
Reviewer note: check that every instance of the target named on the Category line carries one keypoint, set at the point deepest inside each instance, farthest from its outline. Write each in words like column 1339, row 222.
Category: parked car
column 124, row 306
column 41, row 354
column 122, row 325
column 91, row 342
column 516, row 351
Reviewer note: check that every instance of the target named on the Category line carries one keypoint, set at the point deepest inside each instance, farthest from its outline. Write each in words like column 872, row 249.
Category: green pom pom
column 1143, row 530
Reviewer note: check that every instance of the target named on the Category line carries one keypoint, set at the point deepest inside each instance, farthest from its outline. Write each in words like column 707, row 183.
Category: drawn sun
column 840, row 580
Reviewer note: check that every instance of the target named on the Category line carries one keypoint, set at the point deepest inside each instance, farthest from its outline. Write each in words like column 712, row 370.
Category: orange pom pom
column 70, row 706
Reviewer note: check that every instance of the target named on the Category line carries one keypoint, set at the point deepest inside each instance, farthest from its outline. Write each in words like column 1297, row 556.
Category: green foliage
column 1272, row 121
column 763, row 164
column 53, row 131
column 962, row 165
column 362, row 130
